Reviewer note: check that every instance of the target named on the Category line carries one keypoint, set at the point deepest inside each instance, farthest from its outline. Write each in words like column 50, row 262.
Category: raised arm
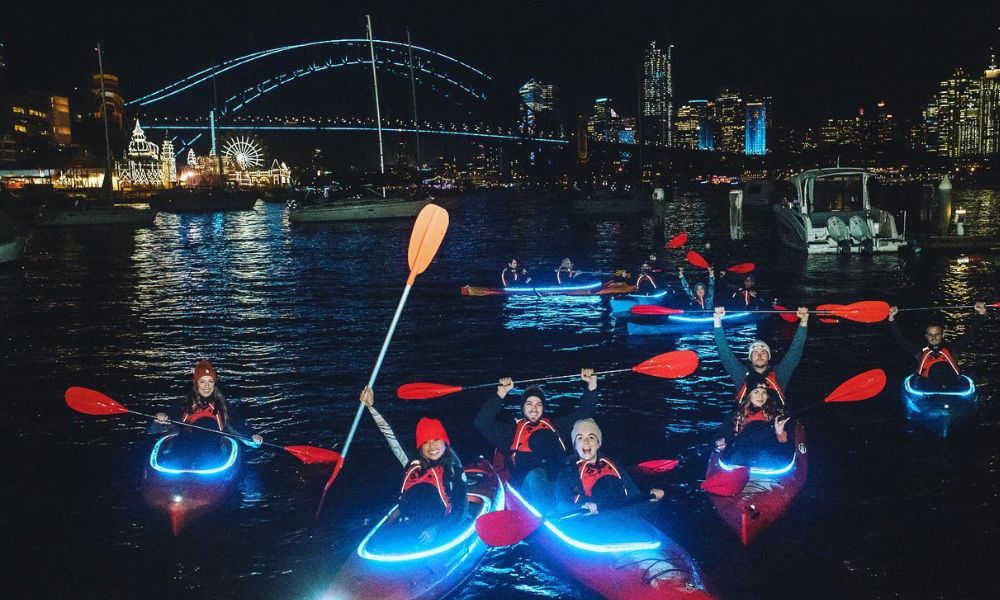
column 736, row 371
column 787, row 366
column 486, row 420
column 960, row 345
column 684, row 283
column 588, row 403
column 368, row 398
column 907, row 345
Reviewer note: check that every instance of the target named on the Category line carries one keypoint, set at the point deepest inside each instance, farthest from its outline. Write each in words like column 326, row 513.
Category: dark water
column 293, row 318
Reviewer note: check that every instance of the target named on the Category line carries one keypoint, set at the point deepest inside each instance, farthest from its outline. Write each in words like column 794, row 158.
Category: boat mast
column 107, row 185
column 378, row 111
column 211, row 119
column 413, row 90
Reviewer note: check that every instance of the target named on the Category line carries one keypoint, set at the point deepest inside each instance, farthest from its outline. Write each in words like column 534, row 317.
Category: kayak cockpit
column 172, row 457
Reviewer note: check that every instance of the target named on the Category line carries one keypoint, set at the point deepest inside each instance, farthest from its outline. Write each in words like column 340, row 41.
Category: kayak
column 684, row 323
column 583, row 289
column 766, row 496
column 185, row 484
column 623, row 304
column 383, row 568
column 940, row 410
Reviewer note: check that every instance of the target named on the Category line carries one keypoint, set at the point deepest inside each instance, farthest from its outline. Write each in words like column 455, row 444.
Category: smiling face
column 206, row 386
column 586, row 445
column 432, row 449
column 759, row 358
column 747, row 282
column 699, row 291
column 934, row 335
column 533, row 408
column 758, row 396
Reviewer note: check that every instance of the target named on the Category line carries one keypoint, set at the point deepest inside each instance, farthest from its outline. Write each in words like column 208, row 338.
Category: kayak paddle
column 669, row 365
column 696, row 259
column 678, row 240
column 699, row 261
column 92, row 402
column 865, row 311
column 425, row 239
column 742, row 268
column 994, row 305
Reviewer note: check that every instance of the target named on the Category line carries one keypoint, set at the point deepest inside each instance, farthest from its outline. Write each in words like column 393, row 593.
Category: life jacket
column 523, row 431
column 699, row 302
column 745, row 295
column 508, row 276
column 433, row 476
column 590, row 473
column 772, row 382
column 929, row 358
column 206, row 412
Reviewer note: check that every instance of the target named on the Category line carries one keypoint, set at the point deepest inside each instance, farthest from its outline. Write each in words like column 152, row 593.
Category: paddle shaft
column 537, row 379
column 247, row 441
column 941, row 307
column 583, row 511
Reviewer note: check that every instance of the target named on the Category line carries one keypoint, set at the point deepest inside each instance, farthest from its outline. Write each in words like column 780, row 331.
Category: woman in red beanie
column 432, row 497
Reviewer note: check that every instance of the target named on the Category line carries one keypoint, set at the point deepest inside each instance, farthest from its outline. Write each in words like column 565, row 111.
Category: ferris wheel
column 245, row 152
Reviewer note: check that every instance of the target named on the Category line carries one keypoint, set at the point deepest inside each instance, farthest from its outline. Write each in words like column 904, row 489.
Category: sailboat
column 366, row 204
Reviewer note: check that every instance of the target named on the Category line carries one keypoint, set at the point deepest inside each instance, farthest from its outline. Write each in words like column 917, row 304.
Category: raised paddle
column 425, row 239
column 92, row 402
column 742, row 268
column 677, row 241
column 669, row 365
column 865, row 311
column 696, row 259
column 508, row 527
column 994, row 305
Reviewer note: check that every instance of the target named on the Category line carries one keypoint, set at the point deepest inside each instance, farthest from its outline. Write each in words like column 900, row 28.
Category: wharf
column 955, row 242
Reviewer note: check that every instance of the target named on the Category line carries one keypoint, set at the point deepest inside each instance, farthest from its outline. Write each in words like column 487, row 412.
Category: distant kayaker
column 532, row 443
column 747, row 296
column 205, row 406
column 594, row 481
column 937, row 363
column 644, row 284
column 566, row 273
column 512, row 275
column 759, row 355
column 433, row 496
column 703, row 297
column 758, row 421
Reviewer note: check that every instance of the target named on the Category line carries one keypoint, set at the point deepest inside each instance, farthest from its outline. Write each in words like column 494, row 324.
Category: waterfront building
column 989, row 108
column 33, row 125
column 656, row 97
column 952, row 116
column 539, row 109
column 603, row 123
column 111, row 99
column 168, row 163
column 755, row 138
column 142, row 166
column 693, row 120
column 838, row 132
column 730, row 116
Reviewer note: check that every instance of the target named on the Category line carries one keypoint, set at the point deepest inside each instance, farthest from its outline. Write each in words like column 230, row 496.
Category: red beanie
column 431, row 429
column 204, row 368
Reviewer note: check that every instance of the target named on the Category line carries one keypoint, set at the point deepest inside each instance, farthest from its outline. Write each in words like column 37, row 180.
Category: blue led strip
column 969, row 390
column 761, row 470
column 725, row 317
column 656, row 295
column 555, row 288
column 154, row 461
column 586, row 546
column 360, row 128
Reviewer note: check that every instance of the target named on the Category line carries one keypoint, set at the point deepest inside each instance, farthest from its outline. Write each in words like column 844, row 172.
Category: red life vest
column 434, row 476
column 647, row 277
column 206, row 412
column 522, row 435
column 929, row 358
column 590, row 473
column 772, row 381
column 745, row 294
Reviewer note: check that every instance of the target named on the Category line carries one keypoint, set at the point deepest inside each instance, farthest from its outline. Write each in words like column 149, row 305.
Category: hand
column 720, row 444
column 803, row 314
column 752, row 293
column 980, row 308
column 893, row 311
column 591, row 507
column 257, row 440
column 591, row 379
column 680, row 272
column 427, row 535
column 527, row 280
column 722, row 272
column 162, row 418
column 717, row 316
column 524, row 271
column 711, row 272
column 505, row 385
column 779, row 425
column 657, row 494
column 367, row 397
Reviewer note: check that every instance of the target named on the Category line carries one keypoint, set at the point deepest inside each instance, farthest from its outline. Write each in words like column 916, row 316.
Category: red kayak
column 766, row 496
column 617, row 555
column 185, row 485
column 383, row 568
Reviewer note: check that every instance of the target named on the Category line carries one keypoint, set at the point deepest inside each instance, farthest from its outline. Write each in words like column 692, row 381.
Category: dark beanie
column 533, row 391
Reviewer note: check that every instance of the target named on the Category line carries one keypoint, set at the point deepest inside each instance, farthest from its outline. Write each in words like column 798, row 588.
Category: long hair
column 194, row 401
column 771, row 408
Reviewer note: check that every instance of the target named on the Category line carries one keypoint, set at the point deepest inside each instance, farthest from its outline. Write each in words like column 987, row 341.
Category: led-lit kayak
column 186, row 482
column 623, row 304
column 940, row 410
column 383, row 568
column 766, row 496
column 617, row 555
column 682, row 323
column 574, row 289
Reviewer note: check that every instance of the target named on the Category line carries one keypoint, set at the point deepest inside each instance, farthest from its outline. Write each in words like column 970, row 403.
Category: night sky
column 820, row 60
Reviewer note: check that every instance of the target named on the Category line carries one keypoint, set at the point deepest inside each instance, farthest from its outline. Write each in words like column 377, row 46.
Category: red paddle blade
column 423, row 391
column 329, row 482
column 727, row 483
column 678, row 240
column 789, row 316
column 866, row 311
column 506, row 527
column 669, row 365
column 827, row 310
column 92, row 402
column 311, row 455
column 652, row 309
column 742, row 268
column 860, row 387
column 651, row 467
column 696, row 259
column 994, row 305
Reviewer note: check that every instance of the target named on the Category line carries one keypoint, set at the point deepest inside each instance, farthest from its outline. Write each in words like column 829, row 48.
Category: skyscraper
column 989, row 108
column 540, row 109
column 112, row 99
column 602, row 125
column 656, row 102
column 952, row 117
column 755, row 139
column 693, row 126
column 731, row 117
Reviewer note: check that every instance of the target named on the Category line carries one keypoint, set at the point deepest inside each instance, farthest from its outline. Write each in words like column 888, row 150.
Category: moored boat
column 186, row 481
column 361, row 210
column 940, row 410
column 683, row 323
column 11, row 246
column 582, row 289
column 383, row 568
column 767, row 494
column 623, row 304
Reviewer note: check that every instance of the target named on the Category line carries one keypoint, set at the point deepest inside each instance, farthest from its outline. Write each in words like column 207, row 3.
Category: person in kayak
column 747, row 296
column 759, row 355
column 644, row 284
column 206, row 406
column 532, row 444
column 433, row 496
column 594, row 481
column 756, row 434
column 937, row 363
column 566, row 273
column 512, row 275
column 703, row 297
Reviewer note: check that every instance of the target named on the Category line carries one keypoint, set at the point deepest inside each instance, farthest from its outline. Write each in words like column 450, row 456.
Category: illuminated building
column 838, row 132
column 989, row 108
column 656, row 101
column 142, row 166
column 952, row 116
column 730, row 115
column 755, row 139
column 112, row 99
column 60, row 119
column 168, row 163
column 531, row 105
column 32, row 126
column 602, row 125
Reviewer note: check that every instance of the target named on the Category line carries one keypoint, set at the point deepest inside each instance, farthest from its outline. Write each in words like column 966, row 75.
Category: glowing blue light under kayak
column 601, row 548
column 363, row 551
column 653, row 296
column 155, row 464
column 708, row 319
column 965, row 392
column 552, row 288
column 761, row 470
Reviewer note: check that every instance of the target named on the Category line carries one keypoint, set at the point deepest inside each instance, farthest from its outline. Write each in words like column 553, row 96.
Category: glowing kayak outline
column 155, row 464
